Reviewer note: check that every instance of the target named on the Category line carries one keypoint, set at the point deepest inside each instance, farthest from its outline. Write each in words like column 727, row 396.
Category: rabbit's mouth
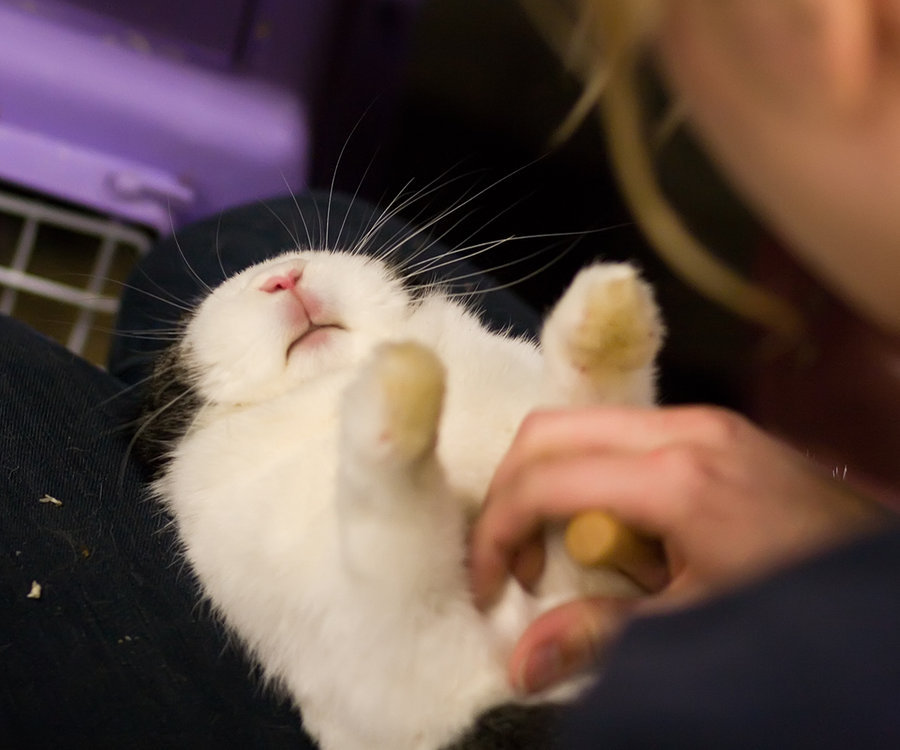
column 316, row 335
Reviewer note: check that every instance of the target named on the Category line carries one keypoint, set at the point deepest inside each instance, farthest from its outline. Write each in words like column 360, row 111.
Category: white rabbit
column 328, row 436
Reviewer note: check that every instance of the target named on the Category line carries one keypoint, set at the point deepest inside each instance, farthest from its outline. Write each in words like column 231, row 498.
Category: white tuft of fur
column 322, row 495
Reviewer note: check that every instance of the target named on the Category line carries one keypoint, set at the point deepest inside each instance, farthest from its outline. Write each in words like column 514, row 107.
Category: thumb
column 566, row 640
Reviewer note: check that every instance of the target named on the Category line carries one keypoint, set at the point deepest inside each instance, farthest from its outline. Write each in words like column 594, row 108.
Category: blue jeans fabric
column 116, row 652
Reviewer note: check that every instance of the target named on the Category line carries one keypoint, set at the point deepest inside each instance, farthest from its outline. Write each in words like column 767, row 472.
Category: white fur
column 337, row 557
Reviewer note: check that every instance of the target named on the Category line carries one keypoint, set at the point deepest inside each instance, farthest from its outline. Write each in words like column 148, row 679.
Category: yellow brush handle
column 597, row 539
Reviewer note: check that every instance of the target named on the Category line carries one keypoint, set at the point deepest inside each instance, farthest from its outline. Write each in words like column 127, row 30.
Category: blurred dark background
column 480, row 100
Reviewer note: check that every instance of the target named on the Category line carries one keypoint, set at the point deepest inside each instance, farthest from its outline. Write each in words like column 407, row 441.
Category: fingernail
column 486, row 589
column 483, row 589
column 554, row 662
column 542, row 668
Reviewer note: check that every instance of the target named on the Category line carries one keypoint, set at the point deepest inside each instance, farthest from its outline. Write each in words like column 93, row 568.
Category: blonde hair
column 605, row 42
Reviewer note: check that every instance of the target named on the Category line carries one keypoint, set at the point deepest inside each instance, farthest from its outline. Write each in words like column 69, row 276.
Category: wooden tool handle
column 597, row 539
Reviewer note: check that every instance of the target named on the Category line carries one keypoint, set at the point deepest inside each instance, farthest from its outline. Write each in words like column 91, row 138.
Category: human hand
column 728, row 502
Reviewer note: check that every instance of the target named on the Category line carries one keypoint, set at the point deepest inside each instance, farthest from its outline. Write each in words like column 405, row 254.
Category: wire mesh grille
column 61, row 270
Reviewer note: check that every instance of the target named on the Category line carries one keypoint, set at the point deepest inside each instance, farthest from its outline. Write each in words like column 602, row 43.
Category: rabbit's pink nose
column 281, row 282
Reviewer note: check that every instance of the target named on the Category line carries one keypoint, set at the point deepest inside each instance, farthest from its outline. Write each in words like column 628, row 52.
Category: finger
column 549, row 432
column 565, row 641
column 527, row 564
column 556, row 488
